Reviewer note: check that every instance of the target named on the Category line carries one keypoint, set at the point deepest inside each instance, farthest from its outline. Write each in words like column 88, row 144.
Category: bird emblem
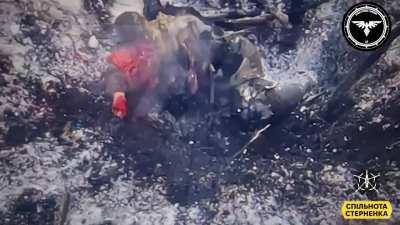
column 367, row 26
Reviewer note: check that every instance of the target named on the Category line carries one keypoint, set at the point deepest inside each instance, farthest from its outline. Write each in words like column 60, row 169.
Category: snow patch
column 73, row 5
column 121, row 6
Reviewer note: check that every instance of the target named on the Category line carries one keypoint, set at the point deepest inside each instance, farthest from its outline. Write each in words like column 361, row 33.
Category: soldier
column 134, row 73
column 135, row 80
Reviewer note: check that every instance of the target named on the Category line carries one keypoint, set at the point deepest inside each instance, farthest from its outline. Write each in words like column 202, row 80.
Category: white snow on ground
column 121, row 6
column 7, row 45
column 125, row 204
column 40, row 167
column 53, row 169
column 254, row 208
column 74, row 6
column 301, row 65
column 47, row 167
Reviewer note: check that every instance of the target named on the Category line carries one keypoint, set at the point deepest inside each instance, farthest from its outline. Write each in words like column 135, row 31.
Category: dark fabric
column 129, row 26
column 114, row 82
column 151, row 9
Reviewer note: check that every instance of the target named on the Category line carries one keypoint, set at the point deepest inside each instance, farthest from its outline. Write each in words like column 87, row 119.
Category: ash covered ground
column 64, row 158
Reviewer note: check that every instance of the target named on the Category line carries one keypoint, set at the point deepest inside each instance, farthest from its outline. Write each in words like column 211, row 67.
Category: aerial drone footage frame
column 125, row 112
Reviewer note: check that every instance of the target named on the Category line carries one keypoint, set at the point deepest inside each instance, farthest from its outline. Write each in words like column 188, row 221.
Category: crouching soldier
column 152, row 61
column 133, row 75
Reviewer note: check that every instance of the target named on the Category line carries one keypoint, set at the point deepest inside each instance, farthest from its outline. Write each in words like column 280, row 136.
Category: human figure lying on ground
column 145, row 65
column 170, row 56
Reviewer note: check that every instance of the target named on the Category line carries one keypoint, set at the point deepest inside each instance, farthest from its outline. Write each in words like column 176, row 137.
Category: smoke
column 182, row 51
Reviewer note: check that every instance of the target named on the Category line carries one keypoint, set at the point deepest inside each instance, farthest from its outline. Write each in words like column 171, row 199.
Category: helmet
column 130, row 26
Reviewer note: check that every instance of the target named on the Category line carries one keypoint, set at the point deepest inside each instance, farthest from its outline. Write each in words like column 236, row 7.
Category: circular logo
column 366, row 26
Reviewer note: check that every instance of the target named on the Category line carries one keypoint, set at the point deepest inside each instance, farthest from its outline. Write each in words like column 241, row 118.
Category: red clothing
column 139, row 63
column 136, row 74
column 120, row 105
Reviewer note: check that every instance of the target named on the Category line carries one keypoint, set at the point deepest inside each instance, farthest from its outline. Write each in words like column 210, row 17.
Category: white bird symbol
column 367, row 26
